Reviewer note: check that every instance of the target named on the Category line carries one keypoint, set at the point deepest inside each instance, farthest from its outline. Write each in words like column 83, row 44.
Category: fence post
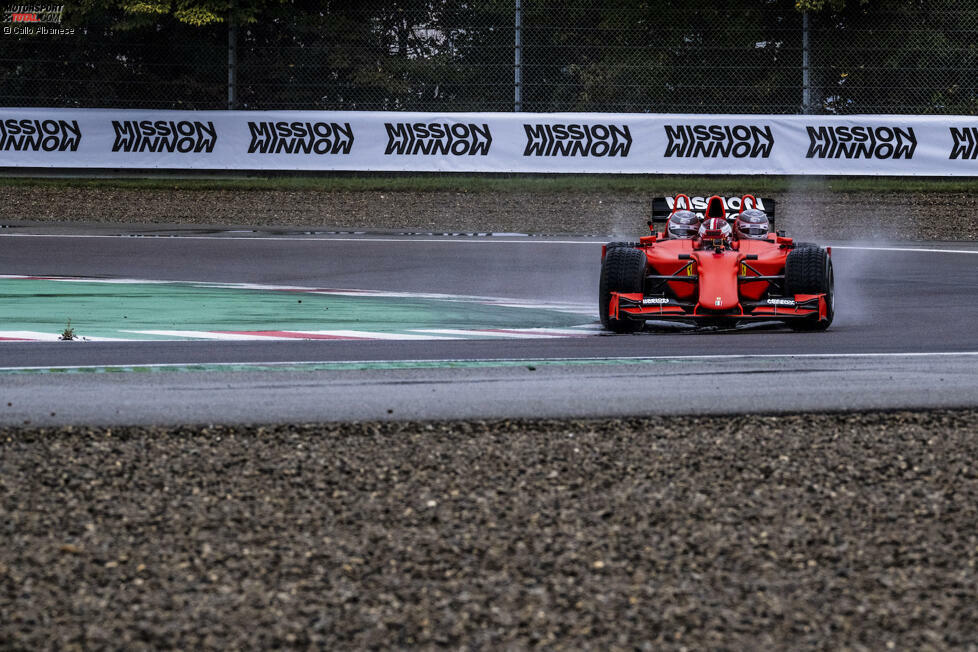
column 518, row 61
column 232, row 58
column 806, row 91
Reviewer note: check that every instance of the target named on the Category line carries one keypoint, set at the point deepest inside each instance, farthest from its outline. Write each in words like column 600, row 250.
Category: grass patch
column 68, row 333
column 497, row 183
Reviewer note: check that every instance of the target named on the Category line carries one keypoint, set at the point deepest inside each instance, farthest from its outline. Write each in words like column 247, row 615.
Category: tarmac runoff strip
column 99, row 310
column 486, row 239
column 531, row 363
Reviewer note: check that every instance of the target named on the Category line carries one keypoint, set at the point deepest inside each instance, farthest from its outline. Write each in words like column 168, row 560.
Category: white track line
column 289, row 335
column 207, row 335
column 375, row 335
column 509, row 333
column 910, row 249
column 36, row 336
column 421, row 334
column 408, row 240
column 40, row 336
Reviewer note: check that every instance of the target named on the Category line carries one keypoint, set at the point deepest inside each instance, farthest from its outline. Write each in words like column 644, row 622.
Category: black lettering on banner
column 860, row 141
column 182, row 136
column 718, row 141
column 600, row 140
column 35, row 135
column 965, row 143
column 300, row 137
column 437, row 139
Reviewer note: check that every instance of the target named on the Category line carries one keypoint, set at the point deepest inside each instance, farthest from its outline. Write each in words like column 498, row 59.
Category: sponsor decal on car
column 781, row 302
column 718, row 141
column 731, row 205
column 300, row 137
column 39, row 135
column 436, row 138
column 545, row 139
column 652, row 301
column 826, row 141
column 182, row 136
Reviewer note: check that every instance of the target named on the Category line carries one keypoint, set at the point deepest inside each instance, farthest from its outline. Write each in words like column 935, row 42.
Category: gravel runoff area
column 828, row 215
column 833, row 531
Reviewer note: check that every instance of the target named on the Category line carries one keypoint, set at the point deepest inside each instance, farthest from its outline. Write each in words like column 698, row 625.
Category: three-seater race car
column 715, row 268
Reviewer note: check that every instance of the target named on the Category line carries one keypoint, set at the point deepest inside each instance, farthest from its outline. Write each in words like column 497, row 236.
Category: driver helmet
column 752, row 223
column 683, row 224
column 715, row 232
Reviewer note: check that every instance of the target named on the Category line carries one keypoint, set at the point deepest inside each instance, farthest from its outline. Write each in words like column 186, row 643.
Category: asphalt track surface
column 904, row 336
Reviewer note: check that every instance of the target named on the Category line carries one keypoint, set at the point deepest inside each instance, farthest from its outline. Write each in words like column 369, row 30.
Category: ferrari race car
column 715, row 268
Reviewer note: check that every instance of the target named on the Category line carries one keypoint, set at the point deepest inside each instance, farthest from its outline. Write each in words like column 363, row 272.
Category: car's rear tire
column 622, row 270
column 808, row 270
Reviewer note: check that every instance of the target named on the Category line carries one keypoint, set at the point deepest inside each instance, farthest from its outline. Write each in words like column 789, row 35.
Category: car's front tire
column 808, row 270
column 622, row 270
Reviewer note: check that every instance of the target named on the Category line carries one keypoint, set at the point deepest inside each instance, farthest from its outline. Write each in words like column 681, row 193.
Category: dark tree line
column 741, row 56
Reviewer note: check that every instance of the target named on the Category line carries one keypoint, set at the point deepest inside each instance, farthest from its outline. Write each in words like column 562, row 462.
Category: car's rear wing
column 662, row 207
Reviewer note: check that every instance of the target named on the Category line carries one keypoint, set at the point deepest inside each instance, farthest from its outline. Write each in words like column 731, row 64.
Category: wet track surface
column 717, row 529
column 892, row 300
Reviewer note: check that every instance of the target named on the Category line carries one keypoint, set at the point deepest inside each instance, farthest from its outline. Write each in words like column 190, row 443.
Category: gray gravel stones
column 833, row 531
column 804, row 214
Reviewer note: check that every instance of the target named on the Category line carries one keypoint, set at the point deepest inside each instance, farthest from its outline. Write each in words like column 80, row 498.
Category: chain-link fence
column 748, row 56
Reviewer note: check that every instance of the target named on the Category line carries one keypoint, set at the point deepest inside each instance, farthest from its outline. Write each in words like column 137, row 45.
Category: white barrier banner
column 490, row 142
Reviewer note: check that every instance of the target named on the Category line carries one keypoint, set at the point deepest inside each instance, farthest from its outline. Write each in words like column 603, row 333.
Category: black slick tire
column 808, row 270
column 623, row 270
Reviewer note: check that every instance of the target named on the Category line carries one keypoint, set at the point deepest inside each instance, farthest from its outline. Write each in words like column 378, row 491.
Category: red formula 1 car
column 715, row 269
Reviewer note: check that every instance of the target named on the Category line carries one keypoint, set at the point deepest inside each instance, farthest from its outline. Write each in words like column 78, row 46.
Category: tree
column 134, row 14
column 740, row 56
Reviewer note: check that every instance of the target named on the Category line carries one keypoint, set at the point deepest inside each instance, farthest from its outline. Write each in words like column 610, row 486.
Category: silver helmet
column 683, row 224
column 752, row 223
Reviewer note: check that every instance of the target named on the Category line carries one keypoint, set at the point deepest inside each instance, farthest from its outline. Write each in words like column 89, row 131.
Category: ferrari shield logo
column 718, row 302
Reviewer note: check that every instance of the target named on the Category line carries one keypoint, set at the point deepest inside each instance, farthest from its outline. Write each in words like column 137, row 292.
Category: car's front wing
column 637, row 306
